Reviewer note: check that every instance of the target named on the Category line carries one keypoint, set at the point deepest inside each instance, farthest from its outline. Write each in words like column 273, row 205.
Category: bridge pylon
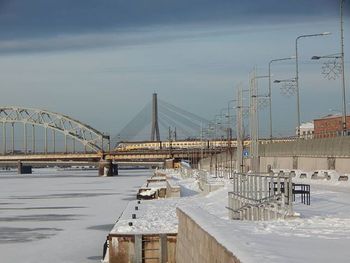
column 155, row 136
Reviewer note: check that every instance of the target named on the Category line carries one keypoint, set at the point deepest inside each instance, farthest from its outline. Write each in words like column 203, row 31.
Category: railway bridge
column 36, row 137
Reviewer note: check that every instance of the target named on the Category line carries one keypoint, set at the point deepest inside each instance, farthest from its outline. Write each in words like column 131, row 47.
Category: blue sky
column 100, row 60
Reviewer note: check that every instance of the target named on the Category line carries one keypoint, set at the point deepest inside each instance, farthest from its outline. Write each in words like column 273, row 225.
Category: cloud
column 38, row 18
column 135, row 37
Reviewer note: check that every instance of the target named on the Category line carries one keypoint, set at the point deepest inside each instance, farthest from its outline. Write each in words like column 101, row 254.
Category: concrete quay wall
column 196, row 245
column 308, row 155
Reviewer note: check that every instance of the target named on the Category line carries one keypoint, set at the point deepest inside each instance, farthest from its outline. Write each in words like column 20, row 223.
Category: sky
column 99, row 61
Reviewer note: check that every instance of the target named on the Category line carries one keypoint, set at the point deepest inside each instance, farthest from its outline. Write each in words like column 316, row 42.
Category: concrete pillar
column 138, row 249
column 163, row 253
column 295, row 162
column 115, row 169
column 107, row 168
column 24, row 169
column 19, row 167
column 331, row 161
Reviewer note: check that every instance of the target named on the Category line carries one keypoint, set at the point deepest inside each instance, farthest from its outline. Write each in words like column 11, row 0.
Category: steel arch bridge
column 90, row 138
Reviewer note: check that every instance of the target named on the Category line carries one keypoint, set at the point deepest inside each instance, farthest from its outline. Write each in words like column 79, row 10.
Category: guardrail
column 260, row 196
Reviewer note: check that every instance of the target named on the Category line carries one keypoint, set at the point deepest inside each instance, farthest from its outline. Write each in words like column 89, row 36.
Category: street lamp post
column 254, row 122
column 297, row 73
column 230, row 133
column 270, row 93
column 342, row 64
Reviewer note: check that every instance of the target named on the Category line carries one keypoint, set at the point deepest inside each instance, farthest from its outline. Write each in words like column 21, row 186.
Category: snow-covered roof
column 307, row 125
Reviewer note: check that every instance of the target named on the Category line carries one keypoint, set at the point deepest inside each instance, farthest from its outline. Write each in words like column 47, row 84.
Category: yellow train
column 156, row 145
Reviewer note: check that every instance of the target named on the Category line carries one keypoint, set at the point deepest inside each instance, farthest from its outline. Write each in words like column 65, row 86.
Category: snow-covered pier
column 204, row 232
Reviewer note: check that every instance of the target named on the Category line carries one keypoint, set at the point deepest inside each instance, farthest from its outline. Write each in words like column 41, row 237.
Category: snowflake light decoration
column 288, row 89
column 331, row 69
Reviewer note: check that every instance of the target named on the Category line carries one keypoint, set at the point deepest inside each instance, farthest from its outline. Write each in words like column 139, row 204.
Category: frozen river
column 61, row 216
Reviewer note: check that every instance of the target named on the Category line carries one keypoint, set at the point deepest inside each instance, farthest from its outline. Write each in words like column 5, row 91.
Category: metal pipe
column 45, row 138
column 25, row 138
column 13, row 137
column 65, row 143
column 33, row 138
column 4, row 137
column 54, row 141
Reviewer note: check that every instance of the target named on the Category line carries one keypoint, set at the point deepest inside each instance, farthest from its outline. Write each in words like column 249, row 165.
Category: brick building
column 330, row 126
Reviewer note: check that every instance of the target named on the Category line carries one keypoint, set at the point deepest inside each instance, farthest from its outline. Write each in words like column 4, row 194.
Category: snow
column 320, row 234
column 307, row 125
column 188, row 186
column 334, row 178
column 152, row 217
column 61, row 216
column 148, row 192
column 65, row 216
column 157, row 216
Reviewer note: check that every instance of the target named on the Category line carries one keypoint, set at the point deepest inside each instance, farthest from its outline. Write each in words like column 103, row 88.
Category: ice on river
column 61, row 216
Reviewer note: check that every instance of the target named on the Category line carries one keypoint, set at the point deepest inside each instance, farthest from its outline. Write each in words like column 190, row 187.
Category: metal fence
column 260, row 196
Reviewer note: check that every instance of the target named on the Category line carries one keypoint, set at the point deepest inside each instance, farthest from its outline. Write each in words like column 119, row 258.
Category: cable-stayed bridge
column 161, row 120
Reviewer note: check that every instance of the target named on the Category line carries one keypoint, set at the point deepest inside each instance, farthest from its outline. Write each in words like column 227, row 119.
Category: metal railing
column 260, row 196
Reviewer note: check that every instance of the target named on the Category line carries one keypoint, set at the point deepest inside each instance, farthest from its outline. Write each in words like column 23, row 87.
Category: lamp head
column 315, row 57
column 326, row 33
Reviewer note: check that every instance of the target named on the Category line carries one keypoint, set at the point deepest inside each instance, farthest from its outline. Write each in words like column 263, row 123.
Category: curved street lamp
column 269, row 95
column 297, row 72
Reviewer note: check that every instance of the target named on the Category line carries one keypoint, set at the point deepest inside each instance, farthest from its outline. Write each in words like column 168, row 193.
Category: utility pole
column 239, row 124
column 253, row 123
column 342, row 66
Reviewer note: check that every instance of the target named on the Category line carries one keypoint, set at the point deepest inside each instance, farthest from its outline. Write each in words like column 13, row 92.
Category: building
column 330, row 126
column 306, row 130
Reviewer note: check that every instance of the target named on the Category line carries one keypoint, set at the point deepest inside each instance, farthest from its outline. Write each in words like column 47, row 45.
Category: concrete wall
column 195, row 245
column 142, row 248
column 323, row 147
column 172, row 190
column 305, row 154
column 276, row 163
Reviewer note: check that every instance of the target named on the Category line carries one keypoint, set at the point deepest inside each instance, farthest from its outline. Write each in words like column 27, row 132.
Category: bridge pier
column 107, row 168
column 24, row 169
